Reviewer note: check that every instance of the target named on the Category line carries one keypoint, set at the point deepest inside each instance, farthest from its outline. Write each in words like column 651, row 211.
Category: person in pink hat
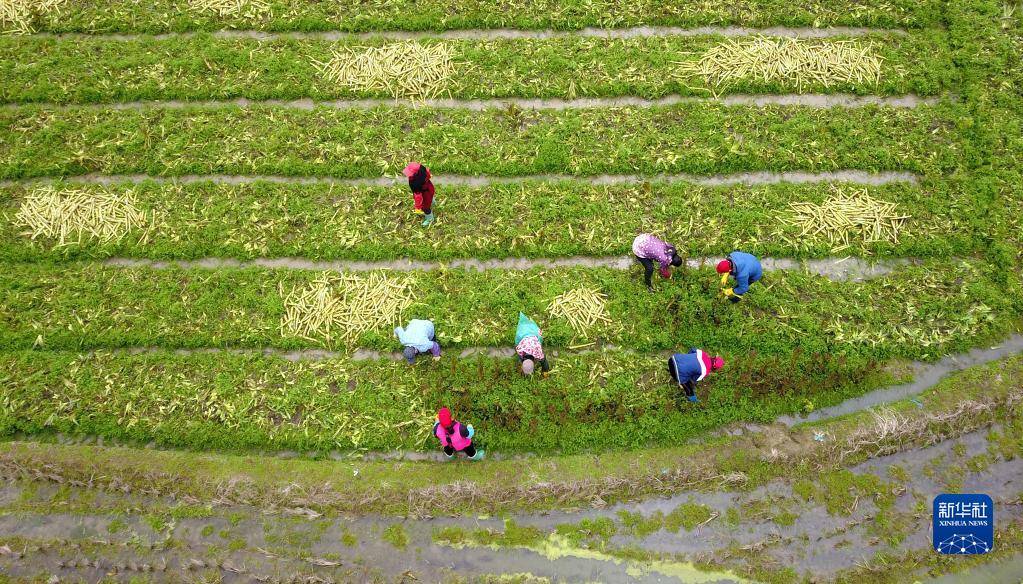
column 422, row 189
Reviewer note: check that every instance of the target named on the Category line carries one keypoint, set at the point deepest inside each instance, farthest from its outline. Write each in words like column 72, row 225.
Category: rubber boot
column 478, row 456
column 428, row 220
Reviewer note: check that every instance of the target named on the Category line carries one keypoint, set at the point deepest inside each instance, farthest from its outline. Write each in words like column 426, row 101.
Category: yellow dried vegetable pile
column 407, row 69
column 845, row 217
column 581, row 307
column 251, row 9
column 71, row 216
column 340, row 307
column 778, row 59
column 16, row 16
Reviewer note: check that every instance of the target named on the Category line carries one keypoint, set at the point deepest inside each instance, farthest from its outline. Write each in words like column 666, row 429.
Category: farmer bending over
column 455, row 437
column 529, row 346
column 418, row 338
column 649, row 249
column 742, row 266
column 690, row 368
column 422, row 189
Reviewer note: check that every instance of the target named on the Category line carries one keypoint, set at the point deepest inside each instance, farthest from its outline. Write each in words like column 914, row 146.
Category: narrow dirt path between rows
column 837, row 269
column 819, row 100
column 739, row 178
column 507, row 33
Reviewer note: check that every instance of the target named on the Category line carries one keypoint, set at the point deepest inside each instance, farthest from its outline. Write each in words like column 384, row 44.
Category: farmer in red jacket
column 454, row 436
column 422, row 189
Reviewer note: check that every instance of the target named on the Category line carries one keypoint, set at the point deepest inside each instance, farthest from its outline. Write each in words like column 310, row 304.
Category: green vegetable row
column 225, row 401
column 91, row 70
column 918, row 312
column 156, row 16
column 530, row 219
column 695, row 138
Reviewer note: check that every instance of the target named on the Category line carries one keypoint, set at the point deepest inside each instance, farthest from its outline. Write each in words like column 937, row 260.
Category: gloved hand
column 692, row 398
column 436, row 358
column 728, row 292
column 472, row 431
column 545, row 374
column 724, row 278
column 665, row 273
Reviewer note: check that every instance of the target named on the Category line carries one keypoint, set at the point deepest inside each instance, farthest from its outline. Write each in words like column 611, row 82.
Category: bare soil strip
column 806, row 100
column 743, row 178
column 508, row 33
column 838, row 269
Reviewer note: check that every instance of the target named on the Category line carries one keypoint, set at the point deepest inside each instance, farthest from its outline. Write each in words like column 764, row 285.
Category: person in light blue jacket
column 745, row 268
column 418, row 338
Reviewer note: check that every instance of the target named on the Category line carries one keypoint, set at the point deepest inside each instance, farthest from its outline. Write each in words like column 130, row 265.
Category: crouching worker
column 690, row 368
column 742, row 266
column 422, row 189
column 649, row 249
column 455, row 437
column 529, row 346
column 418, row 338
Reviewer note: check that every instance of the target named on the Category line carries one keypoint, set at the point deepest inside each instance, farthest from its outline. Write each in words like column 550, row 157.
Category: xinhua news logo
column 964, row 524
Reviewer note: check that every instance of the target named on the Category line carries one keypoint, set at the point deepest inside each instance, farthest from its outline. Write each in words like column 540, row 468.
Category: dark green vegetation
column 699, row 138
column 176, row 15
column 87, row 70
column 919, row 312
column 531, row 219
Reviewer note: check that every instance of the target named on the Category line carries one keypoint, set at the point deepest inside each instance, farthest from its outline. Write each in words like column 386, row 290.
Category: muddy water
column 740, row 178
column 925, row 376
column 807, row 100
column 837, row 269
column 815, row 543
column 507, row 33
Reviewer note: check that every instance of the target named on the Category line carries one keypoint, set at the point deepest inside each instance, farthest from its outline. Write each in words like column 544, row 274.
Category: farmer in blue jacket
column 745, row 268
column 418, row 338
column 687, row 369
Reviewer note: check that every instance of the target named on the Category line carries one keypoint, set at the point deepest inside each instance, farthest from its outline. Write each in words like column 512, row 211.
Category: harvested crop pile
column 406, row 69
column 16, row 16
column 845, row 217
column 581, row 307
column 251, row 9
column 340, row 307
column 781, row 59
column 71, row 216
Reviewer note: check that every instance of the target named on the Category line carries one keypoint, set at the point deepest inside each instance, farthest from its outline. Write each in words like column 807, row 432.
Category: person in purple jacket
column 649, row 249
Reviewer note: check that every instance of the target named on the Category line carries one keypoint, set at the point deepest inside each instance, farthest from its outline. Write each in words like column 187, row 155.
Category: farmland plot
column 206, row 245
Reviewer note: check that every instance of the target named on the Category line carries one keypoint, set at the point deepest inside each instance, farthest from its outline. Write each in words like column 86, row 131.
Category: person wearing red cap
column 455, row 437
column 649, row 249
column 422, row 189
column 688, row 369
column 745, row 268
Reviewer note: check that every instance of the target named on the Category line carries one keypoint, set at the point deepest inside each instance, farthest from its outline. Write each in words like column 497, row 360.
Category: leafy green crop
column 87, row 70
column 697, row 138
column 533, row 219
column 156, row 16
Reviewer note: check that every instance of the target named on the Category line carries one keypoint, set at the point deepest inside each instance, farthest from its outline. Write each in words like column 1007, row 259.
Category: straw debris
column 250, row 9
column 800, row 61
column 17, row 16
column 405, row 69
column 583, row 308
column 847, row 216
column 340, row 307
column 72, row 216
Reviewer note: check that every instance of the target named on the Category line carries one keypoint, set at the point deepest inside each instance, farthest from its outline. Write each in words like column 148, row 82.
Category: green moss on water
column 785, row 518
column 450, row 535
column 638, row 525
column 207, row 530
column 396, row 536
column 348, row 539
column 116, row 526
column 513, row 535
column 588, row 532
column 687, row 515
column 237, row 544
column 841, row 490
